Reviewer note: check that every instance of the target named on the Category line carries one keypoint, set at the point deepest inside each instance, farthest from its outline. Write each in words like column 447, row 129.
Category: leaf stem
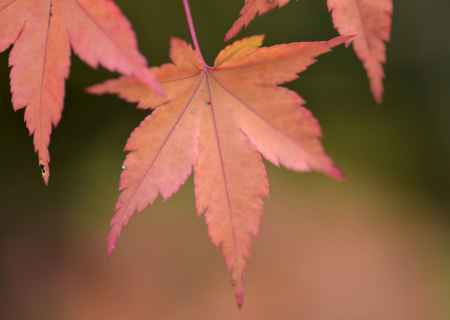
column 190, row 21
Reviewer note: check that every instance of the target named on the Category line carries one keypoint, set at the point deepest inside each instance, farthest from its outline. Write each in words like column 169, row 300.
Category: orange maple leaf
column 43, row 31
column 368, row 20
column 217, row 122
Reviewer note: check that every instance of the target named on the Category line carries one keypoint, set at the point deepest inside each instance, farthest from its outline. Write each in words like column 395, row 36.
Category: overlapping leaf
column 43, row 31
column 368, row 20
column 216, row 122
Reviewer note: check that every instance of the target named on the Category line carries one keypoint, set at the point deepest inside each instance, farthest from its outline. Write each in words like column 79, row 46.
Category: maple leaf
column 43, row 31
column 368, row 20
column 217, row 122
column 252, row 9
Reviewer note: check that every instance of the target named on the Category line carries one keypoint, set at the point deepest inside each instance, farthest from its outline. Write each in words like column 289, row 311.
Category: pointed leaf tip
column 378, row 95
column 111, row 248
column 45, row 172
column 111, row 241
column 239, row 294
column 250, row 11
column 337, row 41
column 336, row 173
column 237, row 281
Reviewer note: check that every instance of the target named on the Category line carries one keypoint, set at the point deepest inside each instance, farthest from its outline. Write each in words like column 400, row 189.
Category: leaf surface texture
column 218, row 123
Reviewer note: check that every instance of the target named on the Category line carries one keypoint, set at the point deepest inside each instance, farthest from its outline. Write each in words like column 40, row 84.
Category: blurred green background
column 376, row 246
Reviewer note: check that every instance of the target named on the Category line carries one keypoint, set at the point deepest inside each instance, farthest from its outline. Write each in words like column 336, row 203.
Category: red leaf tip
column 239, row 289
column 111, row 249
column 336, row 173
column 112, row 239
column 239, row 294
column 347, row 40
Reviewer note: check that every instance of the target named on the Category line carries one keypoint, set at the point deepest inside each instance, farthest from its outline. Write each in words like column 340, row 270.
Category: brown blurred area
column 320, row 257
column 374, row 247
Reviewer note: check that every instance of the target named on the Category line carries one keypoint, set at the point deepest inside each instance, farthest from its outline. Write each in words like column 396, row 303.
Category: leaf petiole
column 190, row 21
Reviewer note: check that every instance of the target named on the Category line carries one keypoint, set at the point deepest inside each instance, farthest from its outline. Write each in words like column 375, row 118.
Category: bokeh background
column 376, row 246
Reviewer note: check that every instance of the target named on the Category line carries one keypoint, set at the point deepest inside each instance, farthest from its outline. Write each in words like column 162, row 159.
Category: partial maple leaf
column 43, row 32
column 252, row 9
column 368, row 20
column 217, row 122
